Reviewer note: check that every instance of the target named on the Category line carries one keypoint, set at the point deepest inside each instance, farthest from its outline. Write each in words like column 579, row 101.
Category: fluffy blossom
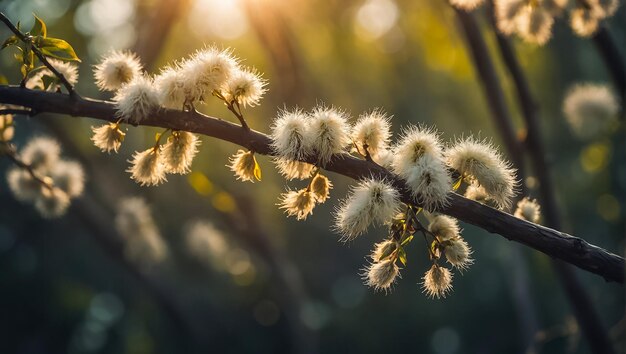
column 384, row 249
column 534, row 24
column 206, row 243
column 298, row 203
column 294, row 169
column 206, row 71
column 41, row 153
column 381, row 275
column 147, row 168
column 372, row 130
column 52, row 202
column 6, row 126
column 69, row 177
column 116, row 69
column 69, row 70
column 245, row 87
column 590, row 109
column 437, row 281
column 328, row 133
column 480, row 163
column 583, row 21
column 170, row 85
column 137, row 99
column 244, row 164
column 108, row 137
column 528, row 210
column 458, row 253
column 418, row 159
column 467, row 4
column 23, row 186
column 142, row 240
column 444, row 227
column 477, row 193
column 288, row 134
column 370, row 201
column 178, row 153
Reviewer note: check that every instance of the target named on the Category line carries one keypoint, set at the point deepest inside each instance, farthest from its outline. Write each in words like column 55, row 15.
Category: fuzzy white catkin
column 170, row 85
column 584, row 21
column 437, row 282
column 69, row 177
column 108, row 137
column 142, row 241
column 298, row 203
column 467, row 4
column 384, row 158
column 444, row 227
column 458, row 253
column 480, row 163
column 206, row 71
column 294, row 169
column 372, row 130
column 206, row 243
column 23, row 186
column 371, row 201
column 328, row 133
column 136, row 100
column 147, row 169
column 507, row 12
column 69, row 70
column 245, row 86
column 381, row 275
column 116, row 69
column 244, row 165
column 288, row 132
column 41, row 153
column 591, row 109
column 418, row 159
column 178, row 153
column 534, row 24
column 528, row 210
column 52, row 202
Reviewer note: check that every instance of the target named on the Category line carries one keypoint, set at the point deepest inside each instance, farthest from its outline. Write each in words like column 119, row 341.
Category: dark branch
column 612, row 58
column 553, row 243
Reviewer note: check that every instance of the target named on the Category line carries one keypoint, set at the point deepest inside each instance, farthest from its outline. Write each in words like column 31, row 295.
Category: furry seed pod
column 458, row 253
column 370, row 201
column 444, row 227
column 116, row 69
column 147, row 168
column 437, row 282
column 207, row 71
column 244, row 164
column 528, row 210
column 591, row 109
column 372, row 130
column 381, row 275
column 477, row 193
column 288, row 134
column 245, row 87
column 294, row 169
column 178, row 153
column 480, row 163
column 382, row 250
column 68, row 69
column 41, row 153
column 328, row 133
column 384, row 158
column 108, row 137
column 298, row 203
column 170, row 85
column 136, row 100
column 23, row 186
column 69, row 177
column 142, row 241
column 52, row 202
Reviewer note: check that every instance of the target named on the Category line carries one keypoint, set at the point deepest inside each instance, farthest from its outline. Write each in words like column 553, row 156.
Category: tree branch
column 551, row 242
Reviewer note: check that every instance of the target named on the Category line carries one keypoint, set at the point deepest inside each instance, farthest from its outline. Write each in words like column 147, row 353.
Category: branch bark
column 554, row 243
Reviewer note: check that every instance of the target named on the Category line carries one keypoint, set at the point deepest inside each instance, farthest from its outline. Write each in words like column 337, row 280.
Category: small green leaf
column 13, row 40
column 407, row 240
column 57, row 48
column 39, row 28
column 402, row 256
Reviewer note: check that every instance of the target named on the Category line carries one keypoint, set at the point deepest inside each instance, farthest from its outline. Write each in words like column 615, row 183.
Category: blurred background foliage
column 285, row 286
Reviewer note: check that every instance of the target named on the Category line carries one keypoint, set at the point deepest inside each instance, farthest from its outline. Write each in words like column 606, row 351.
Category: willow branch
column 551, row 242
